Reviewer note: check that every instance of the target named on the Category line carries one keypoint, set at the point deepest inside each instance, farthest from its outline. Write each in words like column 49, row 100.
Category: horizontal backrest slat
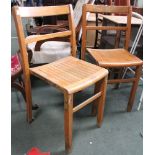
column 106, row 28
column 36, row 38
column 43, row 11
column 106, row 9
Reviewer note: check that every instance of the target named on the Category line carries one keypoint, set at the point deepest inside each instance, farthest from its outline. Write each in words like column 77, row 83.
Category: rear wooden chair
column 113, row 58
column 68, row 74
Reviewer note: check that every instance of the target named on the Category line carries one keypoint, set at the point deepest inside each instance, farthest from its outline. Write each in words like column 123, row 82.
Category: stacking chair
column 113, row 58
column 48, row 51
column 70, row 75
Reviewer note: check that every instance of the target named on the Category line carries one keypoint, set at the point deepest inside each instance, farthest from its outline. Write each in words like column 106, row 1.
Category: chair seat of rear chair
column 114, row 58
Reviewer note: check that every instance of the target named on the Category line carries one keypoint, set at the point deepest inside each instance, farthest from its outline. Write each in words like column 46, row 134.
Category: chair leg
column 21, row 83
column 19, row 87
column 96, row 34
column 28, row 94
column 98, row 105
column 134, row 88
column 68, row 120
column 117, row 39
column 120, row 75
column 101, row 102
column 95, row 104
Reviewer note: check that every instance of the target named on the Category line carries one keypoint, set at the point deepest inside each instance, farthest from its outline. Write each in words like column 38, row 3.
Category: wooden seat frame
column 118, row 10
column 99, row 78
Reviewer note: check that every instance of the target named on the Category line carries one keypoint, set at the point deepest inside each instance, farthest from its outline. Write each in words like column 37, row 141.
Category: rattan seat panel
column 114, row 57
column 70, row 74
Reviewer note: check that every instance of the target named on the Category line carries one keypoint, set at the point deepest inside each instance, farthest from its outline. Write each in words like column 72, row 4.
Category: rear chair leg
column 134, row 88
column 120, row 75
column 98, row 105
column 68, row 120
column 28, row 95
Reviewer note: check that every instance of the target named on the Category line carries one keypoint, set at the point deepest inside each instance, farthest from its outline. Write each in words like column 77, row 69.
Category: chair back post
column 105, row 9
column 84, row 32
column 128, row 32
column 24, row 62
column 73, row 33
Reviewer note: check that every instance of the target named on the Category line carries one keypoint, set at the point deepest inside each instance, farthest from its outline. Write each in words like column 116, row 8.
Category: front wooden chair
column 68, row 74
column 113, row 58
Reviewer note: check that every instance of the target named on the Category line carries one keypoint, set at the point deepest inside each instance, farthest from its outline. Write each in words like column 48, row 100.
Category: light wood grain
column 18, row 13
column 43, row 11
column 91, row 99
column 68, row 121
column 24, row 62
column 113, row 58
column 105, row 9
column 106, row 28
column 36, row 38
column 70, row 74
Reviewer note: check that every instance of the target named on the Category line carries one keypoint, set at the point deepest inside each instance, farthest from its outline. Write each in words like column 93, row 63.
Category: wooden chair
column 69, row 74
column 48, row 51
column 113, row 58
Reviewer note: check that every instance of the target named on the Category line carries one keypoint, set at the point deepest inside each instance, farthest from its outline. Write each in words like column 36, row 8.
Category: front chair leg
column 134, row 88
column 68, row 120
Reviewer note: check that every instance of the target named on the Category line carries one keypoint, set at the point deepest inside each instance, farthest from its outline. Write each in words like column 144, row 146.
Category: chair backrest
column 21, row 12
column 105, row 9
